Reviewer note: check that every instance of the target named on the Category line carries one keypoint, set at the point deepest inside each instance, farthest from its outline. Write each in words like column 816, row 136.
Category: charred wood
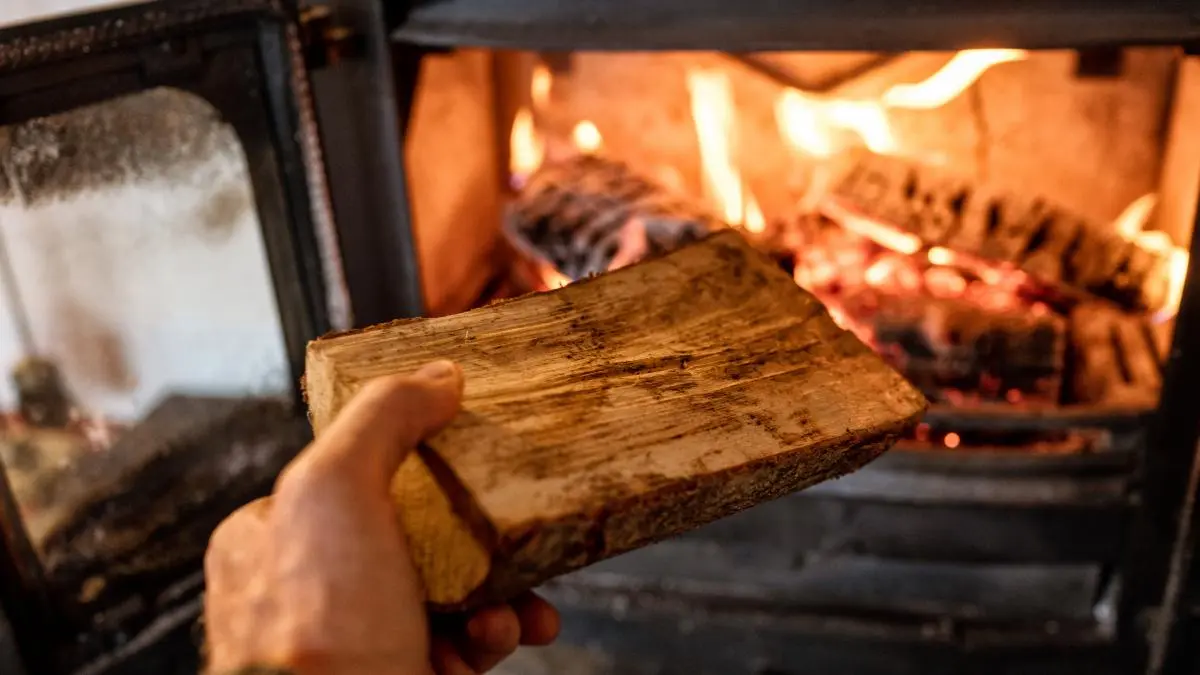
column 1116, row 358
column 951, row 349
column 1046, row 240
column 587, row 214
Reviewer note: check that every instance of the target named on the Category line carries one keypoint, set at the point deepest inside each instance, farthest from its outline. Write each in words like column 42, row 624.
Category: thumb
column 385, row 420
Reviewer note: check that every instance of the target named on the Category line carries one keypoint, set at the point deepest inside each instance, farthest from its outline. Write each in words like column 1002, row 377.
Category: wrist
column 318, row 664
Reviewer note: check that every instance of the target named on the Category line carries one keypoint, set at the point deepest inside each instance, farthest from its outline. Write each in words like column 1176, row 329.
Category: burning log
column 587, row 214
column 939, row 208
column 1117, row 357
column 615, row 412
column 952, row 349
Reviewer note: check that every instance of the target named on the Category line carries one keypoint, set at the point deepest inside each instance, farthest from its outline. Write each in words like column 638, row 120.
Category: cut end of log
column 452, row 562
column 618, row 411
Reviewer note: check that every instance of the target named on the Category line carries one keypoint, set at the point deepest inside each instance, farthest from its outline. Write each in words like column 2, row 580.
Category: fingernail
column 439, row 370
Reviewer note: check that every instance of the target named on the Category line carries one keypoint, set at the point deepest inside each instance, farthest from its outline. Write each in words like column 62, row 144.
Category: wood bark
column 618, row 411
column 1044, row 239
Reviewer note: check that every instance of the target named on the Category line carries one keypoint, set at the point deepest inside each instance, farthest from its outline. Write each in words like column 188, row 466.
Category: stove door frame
column 1161, row 571
column 245, row 58
column 1149, row 605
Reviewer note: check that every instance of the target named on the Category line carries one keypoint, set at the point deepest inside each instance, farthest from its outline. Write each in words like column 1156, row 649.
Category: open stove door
column 246, row 59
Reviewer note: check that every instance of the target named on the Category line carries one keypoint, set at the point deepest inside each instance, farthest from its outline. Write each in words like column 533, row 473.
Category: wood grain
column 618, row 411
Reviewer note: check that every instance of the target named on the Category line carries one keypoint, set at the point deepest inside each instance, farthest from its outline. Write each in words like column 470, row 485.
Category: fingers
column 384, row 421
column 444, row 657
column 539, row 620
column 236, row 542
column 492, row 634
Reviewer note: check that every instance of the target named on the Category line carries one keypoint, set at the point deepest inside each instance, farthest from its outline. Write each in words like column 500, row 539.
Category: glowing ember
column 940, row 256
column 943, row 86
column 952, row 440
column 526, row 148
column 587, row 138
column 884, row 235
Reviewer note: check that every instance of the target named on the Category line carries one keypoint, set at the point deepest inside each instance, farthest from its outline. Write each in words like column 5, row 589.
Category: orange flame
column 812, row 124
column 1135, row 216
column 587, row 137
column 526, row 148
column 951, row 80
column 754, row 220
column 822, row 127
column 712, row 112
column 540, row 85
column 716, row 124
column 1131, row 226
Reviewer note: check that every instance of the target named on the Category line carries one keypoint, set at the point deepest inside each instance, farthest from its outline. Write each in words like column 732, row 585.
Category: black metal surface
column 1011, row 516
column 765, row 25
column 362, row 102
column 1172, row 650
column 766, row 576
column 1167, row 482
column 644, row 634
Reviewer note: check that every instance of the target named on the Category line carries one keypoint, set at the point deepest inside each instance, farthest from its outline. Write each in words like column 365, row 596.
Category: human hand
column 317, row 578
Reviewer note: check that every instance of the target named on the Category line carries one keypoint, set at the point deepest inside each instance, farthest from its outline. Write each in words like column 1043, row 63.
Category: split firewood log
column 618, row 411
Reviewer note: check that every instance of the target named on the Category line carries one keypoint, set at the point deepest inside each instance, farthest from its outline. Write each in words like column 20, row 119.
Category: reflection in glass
column 148, row 392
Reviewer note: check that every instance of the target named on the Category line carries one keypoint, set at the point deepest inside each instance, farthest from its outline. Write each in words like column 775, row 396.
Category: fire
column 712, row 111
column 822, row 126
column 812, row 125
column 940, row 256
column 526, row 148
column 587, row 137
column 755, row 221
column 540, row 85
column 1131, row 226
column 1135, row 216
column 951, row 80
column 716, row 125
column 884, row 235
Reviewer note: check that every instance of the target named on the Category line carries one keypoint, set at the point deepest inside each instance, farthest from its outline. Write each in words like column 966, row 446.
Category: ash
column 158, row 134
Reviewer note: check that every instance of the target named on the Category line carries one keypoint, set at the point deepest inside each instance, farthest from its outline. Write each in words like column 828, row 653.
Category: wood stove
column 1000, row 199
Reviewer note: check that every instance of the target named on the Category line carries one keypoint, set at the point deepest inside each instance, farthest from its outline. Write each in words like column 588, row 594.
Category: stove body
column 380, row 140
